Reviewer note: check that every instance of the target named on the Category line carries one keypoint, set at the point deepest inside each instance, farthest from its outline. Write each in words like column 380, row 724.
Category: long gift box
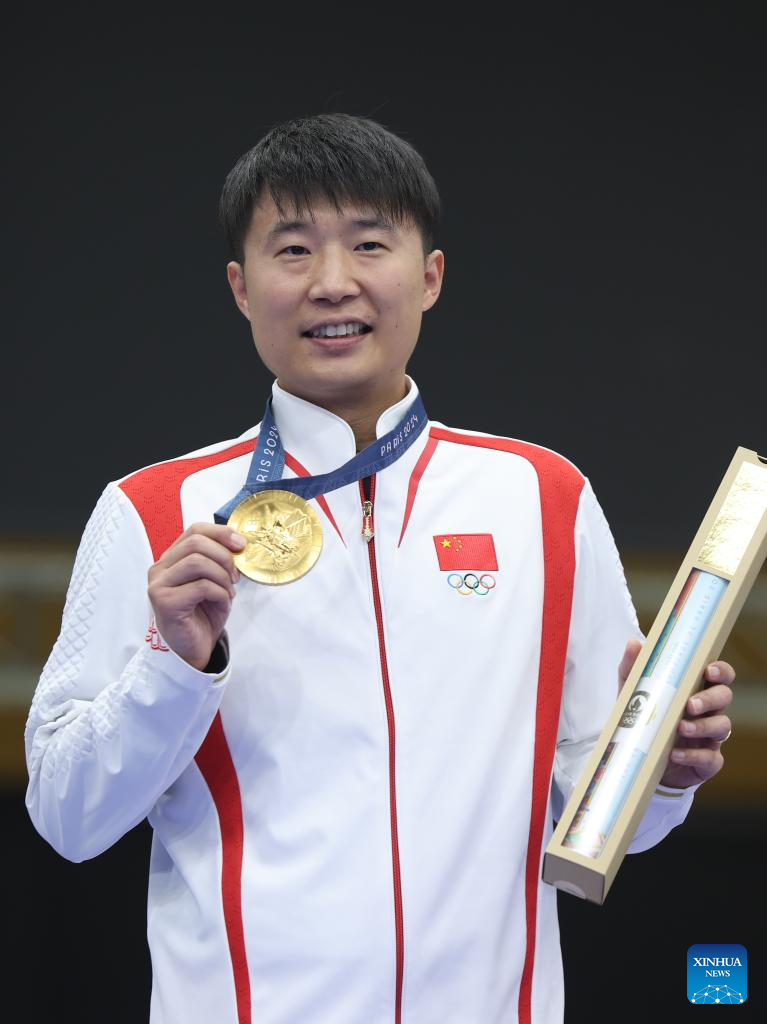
column 700, row 609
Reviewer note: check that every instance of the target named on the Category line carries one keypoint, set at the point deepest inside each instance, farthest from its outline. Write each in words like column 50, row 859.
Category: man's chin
column 344, row 385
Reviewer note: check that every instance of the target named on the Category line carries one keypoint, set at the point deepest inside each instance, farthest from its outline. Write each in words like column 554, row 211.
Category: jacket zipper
column 368, row 497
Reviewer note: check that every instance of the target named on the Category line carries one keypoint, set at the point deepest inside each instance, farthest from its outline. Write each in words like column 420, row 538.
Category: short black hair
column 337, row 157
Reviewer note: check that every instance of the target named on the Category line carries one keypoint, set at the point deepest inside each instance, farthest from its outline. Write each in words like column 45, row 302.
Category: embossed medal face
column 283, row 534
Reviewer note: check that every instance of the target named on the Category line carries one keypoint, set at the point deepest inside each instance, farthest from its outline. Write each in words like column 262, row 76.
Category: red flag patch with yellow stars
column 466, row 551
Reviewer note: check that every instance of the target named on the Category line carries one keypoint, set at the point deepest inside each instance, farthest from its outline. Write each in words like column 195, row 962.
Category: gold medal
column 283, row 534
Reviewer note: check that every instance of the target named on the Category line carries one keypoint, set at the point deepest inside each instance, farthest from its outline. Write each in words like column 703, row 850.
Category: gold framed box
column 599, row 821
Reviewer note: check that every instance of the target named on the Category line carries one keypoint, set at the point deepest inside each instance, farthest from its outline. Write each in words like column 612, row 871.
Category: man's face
column 366, row 280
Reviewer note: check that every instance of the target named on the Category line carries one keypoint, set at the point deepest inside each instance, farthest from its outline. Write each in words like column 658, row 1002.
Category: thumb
column 630, row 655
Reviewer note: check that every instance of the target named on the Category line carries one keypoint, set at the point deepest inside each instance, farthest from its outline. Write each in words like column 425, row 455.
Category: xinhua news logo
column 716, row 973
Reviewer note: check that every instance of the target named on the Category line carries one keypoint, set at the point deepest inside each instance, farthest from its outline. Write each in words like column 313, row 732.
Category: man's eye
column 376, row 244
column 288, row 249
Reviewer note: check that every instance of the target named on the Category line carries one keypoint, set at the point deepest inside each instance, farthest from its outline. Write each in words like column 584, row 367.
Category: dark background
column 603, row 180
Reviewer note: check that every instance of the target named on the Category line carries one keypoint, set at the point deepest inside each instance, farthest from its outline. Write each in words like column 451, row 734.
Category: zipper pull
column 367, row 520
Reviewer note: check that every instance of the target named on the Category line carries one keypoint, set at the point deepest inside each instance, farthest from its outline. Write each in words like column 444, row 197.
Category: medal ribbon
column 268, row 462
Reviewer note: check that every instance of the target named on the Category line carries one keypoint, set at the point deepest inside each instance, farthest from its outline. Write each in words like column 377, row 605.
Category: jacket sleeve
column 603, row 620
column 115, row 717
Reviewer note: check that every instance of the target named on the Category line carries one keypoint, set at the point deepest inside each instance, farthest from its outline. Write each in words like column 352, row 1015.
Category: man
column 351, row 775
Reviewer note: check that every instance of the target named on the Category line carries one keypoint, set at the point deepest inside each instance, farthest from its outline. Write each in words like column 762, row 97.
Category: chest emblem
column 468, row 559
column 153, row 638
column 462, row 551
column 468, row 583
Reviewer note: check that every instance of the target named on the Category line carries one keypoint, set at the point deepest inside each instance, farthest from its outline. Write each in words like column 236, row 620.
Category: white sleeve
column 114, row 719
column 603, row 620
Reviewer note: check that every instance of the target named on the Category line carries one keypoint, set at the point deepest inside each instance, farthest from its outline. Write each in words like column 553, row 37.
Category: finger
column 630, row 655
column 705, row 761
column 720, row 672
column 178, row 601
column 217, row 531
column 715, row 727
column 195, row 567
column 200, row 544
column 223, row 535
column 711, row 700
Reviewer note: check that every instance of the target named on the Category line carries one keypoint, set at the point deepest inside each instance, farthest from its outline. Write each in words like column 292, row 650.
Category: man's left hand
column 696, row 755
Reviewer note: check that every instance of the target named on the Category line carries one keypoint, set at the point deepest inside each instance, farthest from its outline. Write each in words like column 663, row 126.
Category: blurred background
column 603, row 176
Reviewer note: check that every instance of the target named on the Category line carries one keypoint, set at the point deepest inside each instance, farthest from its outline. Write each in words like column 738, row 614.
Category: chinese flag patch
column 466, row 551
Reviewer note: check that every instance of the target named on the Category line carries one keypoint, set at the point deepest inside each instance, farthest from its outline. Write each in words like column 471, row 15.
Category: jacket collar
column 320, row 440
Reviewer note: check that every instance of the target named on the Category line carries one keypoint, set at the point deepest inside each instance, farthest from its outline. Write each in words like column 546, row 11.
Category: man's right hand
column 191, row 588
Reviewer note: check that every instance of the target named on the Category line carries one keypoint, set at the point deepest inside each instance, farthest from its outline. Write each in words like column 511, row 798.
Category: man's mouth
column 344, row 330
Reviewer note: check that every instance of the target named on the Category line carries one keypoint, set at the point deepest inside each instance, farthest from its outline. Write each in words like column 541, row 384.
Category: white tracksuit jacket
column 349, row 819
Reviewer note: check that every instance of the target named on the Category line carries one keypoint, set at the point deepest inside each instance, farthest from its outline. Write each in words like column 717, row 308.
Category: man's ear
column 236, row 277
column 434, row 270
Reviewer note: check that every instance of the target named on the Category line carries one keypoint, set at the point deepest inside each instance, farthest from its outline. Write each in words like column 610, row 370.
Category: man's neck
column 361, row 414
column 364, row 426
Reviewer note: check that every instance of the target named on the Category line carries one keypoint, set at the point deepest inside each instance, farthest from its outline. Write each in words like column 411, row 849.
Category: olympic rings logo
column 470, row 583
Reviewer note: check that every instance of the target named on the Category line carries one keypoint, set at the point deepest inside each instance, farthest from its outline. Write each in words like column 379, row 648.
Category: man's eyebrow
column 286, row 227
column 374, row 222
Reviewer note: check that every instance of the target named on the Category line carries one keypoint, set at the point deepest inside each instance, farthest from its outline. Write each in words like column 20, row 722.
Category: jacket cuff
column 218, row 664
column 667, row 808
column 216, row 671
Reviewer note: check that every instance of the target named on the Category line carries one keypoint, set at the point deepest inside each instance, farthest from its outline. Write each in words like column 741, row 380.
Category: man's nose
column 333, row 277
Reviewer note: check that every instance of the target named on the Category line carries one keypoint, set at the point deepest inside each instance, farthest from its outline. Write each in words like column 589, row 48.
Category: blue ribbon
column 268, row 462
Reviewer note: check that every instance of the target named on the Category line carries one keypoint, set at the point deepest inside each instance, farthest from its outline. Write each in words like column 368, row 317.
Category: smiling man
column 335, row 303
column 352, row 727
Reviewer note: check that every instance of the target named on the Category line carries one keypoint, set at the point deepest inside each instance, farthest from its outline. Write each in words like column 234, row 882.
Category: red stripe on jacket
column 560, row 485
column 300, row 470
column 214, row 760
column 156, row 495
column 415, row 478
